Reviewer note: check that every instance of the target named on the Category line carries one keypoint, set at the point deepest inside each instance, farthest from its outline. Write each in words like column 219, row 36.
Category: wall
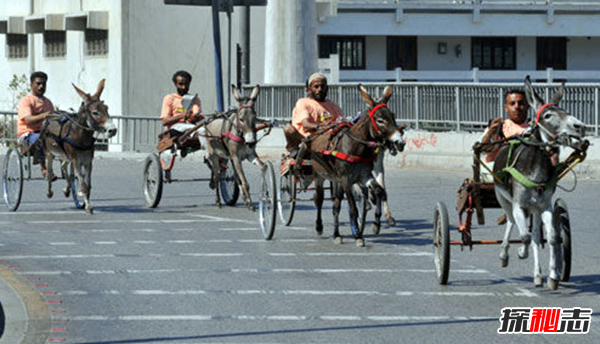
column 165, row 38
column 375, row 53
column 429, row 59
column 76, row 68
column 583, row 52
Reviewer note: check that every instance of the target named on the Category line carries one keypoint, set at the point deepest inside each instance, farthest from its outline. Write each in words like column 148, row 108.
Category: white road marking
column 211, row 254
column 336, row 318
column 409, row 293
column 105, row 242
column 62, row 243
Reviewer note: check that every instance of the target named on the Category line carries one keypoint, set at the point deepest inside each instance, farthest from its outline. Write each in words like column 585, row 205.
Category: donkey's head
column 246, row 115
column 554, row 122
column 94, row 112
column 382, row 121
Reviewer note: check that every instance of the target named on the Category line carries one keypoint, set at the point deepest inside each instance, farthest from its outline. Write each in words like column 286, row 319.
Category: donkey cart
column 17, row 168
column 474, row 196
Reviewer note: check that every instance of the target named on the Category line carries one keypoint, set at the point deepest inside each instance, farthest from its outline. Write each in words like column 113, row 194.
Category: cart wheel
column 562, row 225
column 286, row 198
column 361, row 200
column 12, row 179
column 268, row 201
column 75, row 187
column 229, row 186
column 441, row 242
column 153, row 180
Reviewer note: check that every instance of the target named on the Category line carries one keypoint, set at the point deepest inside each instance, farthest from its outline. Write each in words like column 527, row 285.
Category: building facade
column 449, row 40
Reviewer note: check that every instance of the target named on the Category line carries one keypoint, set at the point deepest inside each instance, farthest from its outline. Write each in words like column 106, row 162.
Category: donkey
column 346, row 157
column 232, row 136
column 532, row 196
column 70, row 138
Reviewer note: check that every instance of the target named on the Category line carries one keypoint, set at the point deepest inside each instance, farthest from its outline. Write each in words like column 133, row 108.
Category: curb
column 26, row 316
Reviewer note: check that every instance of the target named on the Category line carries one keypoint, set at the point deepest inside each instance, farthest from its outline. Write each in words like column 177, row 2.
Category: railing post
column 272, row 102
column 597, row 107
column 132, row 137
column 416, row 103
column 501, row 102
column 457, row 106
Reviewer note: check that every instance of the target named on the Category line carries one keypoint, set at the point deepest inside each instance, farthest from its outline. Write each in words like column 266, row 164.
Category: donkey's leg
column 380, row 177
column 87, row 168
column 237, row 164
column 337, row 205
column 215, row 165
column 353, row 211
column 553, row 237
column 510, row 223
column 319, row 204
column 49, row 173
column 380, row 195
column 64, row 165
column 536, row 240
column 521, row 222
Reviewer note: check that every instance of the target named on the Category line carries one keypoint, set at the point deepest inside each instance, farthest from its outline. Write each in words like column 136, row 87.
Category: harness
column 69, row 119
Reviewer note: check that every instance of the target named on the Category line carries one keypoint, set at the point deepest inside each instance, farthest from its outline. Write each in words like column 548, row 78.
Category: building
column 449, row 40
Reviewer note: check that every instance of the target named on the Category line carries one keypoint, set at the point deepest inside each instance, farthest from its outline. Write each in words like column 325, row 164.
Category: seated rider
column 310, row 114
column 174, row 116
column 33, row 110
column 516, row 106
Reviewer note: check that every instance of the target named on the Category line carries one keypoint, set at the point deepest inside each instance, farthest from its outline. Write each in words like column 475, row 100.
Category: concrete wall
column 376, row 52
column 583, row 53
column 76, row 68
column 429, row 59
column 163, row 39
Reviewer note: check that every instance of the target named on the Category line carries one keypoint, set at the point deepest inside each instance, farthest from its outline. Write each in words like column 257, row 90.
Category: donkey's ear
column 236, row 94
column 255, row 92
column 559, row 95
column 86, row 97
column 366, row 96
column 387, row 93
column 99, row 90
column 532, row 98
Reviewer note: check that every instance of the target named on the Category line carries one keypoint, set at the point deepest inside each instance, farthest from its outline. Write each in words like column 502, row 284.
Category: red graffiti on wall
column 420, row 141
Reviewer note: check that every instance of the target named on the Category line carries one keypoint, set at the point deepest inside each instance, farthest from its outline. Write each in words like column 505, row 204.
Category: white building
column 450, row 40
column 138, row 44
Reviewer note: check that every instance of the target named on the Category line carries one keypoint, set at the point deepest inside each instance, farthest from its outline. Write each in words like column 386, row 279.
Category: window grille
column 494, row 53
column 55, row 43
column 16, row 46
column 351, row 50
column 96, row 42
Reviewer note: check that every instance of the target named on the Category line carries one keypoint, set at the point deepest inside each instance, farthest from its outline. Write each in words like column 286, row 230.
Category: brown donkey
column 346, row 157
column 70, row 138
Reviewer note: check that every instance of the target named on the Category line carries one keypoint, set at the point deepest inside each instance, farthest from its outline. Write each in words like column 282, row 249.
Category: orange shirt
column 509, row 129
column 316, row 112
column 31, row 105
column 172, row 106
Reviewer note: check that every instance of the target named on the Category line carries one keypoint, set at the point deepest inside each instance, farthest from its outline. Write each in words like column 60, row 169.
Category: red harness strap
column 372, row 112
column 346, row 157
column 537, row 118
column 234, row 137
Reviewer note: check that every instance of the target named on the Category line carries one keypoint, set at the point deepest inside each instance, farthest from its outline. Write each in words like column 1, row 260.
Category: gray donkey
column 532, row 172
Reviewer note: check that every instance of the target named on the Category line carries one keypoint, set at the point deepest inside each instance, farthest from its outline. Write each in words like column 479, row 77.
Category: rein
column 372, row 113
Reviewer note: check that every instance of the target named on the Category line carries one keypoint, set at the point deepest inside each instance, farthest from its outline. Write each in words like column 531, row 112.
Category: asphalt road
column 187, row 272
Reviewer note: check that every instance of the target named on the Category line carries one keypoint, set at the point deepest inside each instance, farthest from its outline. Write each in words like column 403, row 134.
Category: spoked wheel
column 12, row 179
column 153, row 180
column 441, row 242
column 268, row 201
column 286, row 198
column 361, row 199
column 229, row 186
column 75, row 188
column 562, row 226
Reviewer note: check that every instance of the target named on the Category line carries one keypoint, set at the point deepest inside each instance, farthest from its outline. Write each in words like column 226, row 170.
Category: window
column 96, row 42
column 551, row 53
column 16, row 46
column 402, row 52
column 492, row 53
column 55, row 43
column 350, row 49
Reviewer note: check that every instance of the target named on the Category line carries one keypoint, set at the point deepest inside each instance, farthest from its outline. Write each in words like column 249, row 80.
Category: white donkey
column 532, row 173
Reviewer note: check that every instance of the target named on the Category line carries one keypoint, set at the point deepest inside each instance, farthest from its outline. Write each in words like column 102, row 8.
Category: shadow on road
column 304, row 330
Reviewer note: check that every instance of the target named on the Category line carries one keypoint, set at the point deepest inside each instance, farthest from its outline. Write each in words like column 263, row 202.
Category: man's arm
column 491, row 130
column 167, row 117
column 25, row 112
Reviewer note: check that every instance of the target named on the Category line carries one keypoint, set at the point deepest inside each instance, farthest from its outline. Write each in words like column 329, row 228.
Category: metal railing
column 435, row 106
column 427, row 106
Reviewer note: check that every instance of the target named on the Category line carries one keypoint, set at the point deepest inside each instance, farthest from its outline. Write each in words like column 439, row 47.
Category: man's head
column 182, row 80
column 516, row 106
column 316, row 87
column 38, row 83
